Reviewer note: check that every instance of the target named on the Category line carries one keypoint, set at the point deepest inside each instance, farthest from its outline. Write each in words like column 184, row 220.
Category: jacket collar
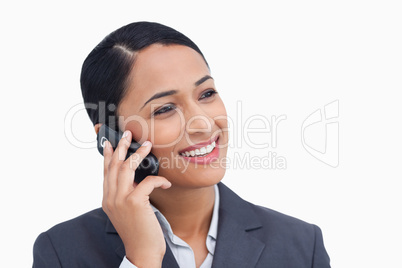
column 235, row 245
column 237, row 220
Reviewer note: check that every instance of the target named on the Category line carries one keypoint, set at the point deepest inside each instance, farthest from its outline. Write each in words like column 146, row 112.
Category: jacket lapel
column 235, row 244
column 169, row 260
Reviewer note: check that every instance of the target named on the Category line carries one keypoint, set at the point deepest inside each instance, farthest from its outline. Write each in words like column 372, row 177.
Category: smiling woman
column 156, row 88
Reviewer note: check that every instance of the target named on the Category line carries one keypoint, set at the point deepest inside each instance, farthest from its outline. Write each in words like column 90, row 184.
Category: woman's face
column 170, row 101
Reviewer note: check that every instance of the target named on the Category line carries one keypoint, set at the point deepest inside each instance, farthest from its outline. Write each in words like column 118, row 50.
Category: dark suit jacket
column 248, row 236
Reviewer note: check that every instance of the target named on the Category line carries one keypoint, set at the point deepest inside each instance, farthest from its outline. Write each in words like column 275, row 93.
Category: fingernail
column 107, row 145
column 125, row 134
column 146, row 143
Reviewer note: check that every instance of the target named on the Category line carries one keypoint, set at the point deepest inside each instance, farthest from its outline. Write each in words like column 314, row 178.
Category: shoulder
column 267, row 217
column 287, row 240
column 90, row 222
column 278, row 219
column 79, row 240
column 77, row 228
column 282, row 233
column 267, row 224
column 278, row 226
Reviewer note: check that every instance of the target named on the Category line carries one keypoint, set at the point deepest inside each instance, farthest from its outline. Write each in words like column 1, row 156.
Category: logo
column 320, row 134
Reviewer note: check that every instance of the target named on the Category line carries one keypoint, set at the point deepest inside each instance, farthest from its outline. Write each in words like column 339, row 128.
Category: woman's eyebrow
column 160, row 95
column 202, row 80
column 171, row 92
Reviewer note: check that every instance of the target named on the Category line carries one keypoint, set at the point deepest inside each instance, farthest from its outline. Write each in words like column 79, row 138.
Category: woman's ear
column 97, row 127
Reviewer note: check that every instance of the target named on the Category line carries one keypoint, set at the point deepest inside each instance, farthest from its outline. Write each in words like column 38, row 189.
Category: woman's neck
column 188, row 211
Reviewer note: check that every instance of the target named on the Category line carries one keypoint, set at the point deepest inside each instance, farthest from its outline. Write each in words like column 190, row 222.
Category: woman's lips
column 198, row 145
column 206, row 159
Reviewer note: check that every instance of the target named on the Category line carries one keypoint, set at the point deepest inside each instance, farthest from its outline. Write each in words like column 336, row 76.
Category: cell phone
column 148, row 166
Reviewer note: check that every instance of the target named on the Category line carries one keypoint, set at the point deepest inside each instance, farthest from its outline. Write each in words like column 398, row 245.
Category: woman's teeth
column 201, row 151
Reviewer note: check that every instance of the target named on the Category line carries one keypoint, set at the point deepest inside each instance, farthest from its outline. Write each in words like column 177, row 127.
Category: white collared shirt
column 182, row 252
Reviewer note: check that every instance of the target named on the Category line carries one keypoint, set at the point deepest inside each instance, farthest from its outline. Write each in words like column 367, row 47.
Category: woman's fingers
column 119, row 157
column 118, row 172
column 115, row 162
column 135, row 159
column 146, row 187
column 127, row 169
column 107, row 156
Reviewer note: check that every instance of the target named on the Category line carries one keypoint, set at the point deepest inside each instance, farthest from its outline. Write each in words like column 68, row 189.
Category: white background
column 278, row 58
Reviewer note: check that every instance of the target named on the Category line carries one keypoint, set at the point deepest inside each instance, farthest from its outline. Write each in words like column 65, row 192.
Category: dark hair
column 106, row 69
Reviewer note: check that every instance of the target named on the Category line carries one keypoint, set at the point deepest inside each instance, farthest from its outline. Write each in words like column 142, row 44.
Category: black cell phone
column 149, row 165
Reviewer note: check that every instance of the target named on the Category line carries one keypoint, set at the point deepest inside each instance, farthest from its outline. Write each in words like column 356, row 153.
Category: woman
column 153, row 83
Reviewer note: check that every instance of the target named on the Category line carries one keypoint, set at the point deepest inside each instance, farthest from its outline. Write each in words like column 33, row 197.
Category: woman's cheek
column 219, row 107
column 139, row 128
column 166, row 132
column 219, row 114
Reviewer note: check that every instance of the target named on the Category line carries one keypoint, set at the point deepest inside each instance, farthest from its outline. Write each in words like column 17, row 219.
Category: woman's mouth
column 204, row 154
column 201, row 151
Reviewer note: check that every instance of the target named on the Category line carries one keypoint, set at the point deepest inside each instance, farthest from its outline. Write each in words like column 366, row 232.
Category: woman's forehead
column 167, row 60
column 161, row 68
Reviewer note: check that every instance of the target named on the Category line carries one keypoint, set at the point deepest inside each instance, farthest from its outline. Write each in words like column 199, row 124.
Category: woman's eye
column 164, row 109
column 208, row 94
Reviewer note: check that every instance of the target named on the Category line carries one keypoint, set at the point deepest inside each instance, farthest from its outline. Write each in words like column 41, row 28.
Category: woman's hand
column 127, row 203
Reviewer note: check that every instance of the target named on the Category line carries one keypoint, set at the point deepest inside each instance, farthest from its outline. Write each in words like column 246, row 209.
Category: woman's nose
column 198, row 121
